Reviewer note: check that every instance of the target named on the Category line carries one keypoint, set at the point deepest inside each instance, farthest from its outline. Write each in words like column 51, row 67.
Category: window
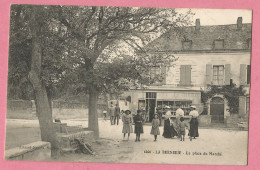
column 219, row 44
column 155, row 71
column 141, row 104
column 218, row 75
column 174, row 104
column 186, row 45
column 185, row 75
column 150, row 95
column 156, row 75
column 248, row 74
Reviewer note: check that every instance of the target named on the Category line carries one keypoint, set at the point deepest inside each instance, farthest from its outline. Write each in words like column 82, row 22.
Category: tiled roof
column 203, row 39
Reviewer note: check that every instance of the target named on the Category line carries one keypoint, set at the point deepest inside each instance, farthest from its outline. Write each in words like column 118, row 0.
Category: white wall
column 198, row 63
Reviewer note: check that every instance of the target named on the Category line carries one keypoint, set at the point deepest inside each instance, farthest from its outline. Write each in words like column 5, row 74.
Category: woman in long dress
column 194, row 132
column 127, row 124
column 168, row 130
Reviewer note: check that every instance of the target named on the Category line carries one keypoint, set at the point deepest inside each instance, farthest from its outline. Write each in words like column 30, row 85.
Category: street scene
column 128, row 85
column 111, row 148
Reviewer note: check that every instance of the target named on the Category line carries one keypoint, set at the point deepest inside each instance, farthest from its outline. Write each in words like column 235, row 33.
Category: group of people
column 113, row 113
column 170, row 130
column 138, row 120
column 177, row 127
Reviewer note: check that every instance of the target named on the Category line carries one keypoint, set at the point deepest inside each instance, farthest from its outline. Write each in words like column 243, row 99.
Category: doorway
column 150, row 105
column 150, row 109
column 217, row 110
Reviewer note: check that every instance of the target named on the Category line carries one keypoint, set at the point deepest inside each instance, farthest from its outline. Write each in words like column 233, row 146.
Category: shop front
column 155, row 100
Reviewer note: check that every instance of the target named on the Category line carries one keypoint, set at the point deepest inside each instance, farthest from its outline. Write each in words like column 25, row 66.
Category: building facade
column 206, row 56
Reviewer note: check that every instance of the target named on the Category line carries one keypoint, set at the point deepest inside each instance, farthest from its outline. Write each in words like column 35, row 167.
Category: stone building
column 207, row 55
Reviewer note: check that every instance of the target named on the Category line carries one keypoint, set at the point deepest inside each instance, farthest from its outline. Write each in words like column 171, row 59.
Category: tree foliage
column 81, row 49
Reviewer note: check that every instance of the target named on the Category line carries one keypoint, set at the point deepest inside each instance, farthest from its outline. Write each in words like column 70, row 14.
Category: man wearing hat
column 193, row 123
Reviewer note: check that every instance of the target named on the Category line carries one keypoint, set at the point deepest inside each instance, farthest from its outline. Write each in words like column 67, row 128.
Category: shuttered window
column 248, row 74
column 185, row 75
column 155, row 71
column 158, row 75
column 243, row 70
column 218, row 75
column 227, row 70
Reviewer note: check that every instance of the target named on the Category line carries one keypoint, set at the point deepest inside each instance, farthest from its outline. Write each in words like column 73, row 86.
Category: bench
column 36, row 151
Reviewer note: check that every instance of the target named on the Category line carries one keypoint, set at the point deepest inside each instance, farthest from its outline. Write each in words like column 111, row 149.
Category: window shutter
column 188, row 75
column 248, row 74
column 163, row 74
column 243, row 74
column 208, row 73
column 227, row 74
column 242, row 105
column 182, row 75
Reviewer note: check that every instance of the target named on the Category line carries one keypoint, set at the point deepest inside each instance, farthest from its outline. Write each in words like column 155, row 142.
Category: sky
column 220, row 16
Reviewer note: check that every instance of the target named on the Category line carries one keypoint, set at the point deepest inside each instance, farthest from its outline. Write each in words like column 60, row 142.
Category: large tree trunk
column 92, row 112
column 48, row 133
column 42, row 104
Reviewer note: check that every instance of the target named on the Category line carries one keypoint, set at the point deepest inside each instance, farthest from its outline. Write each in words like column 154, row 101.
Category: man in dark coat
column 111, row 113
column 117, row 114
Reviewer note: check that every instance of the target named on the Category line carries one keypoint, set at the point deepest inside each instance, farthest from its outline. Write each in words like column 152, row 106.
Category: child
column 138, row 125
column 182, row 126
column 127, row 123
column 155, row 127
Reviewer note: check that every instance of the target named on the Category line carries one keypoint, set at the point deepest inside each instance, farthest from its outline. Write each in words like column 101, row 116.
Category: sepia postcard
column 128, row 85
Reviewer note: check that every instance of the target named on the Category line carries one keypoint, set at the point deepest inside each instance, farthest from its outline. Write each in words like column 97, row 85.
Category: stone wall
column 36, row 151
column 204, row 120
column 233, row 120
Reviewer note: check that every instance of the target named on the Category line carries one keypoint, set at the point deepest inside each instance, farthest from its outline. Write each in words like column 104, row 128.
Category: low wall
column 36, row 151
column 204, row 120
column 233, row 120
column 66, row 140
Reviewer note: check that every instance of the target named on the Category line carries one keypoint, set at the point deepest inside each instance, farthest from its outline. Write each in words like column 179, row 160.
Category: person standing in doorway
column 193, row 123
column 117, row 114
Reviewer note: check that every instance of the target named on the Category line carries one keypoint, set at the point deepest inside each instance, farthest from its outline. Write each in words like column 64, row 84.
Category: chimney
column 197, row 24
column 239, row 23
